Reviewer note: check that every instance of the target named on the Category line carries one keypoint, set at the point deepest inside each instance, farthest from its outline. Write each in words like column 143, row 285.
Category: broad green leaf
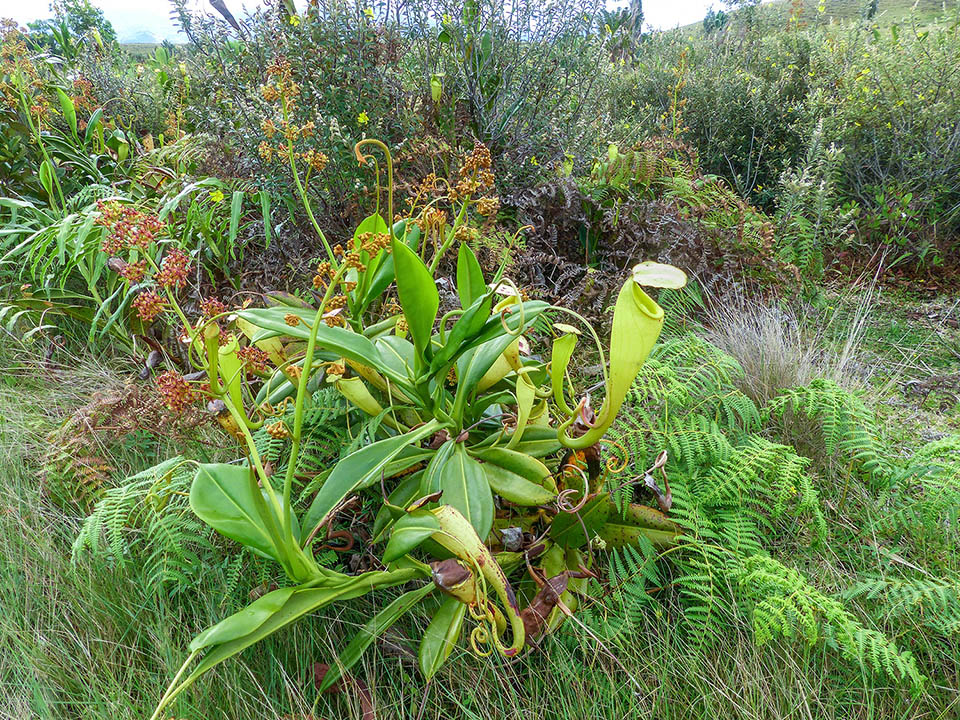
column 519, row 317
column 223, row 497
column 46, row 177
column 464, row 485
column 430, row 482
column 408, row 532
column 303, row 600
column 69, row 110
column 516, row 489
column 441, row 636
column 93, row 125
column 464, row 330
column 620, row 535
column 538, row 441
column 473, row 365
column 399, row 498
column 243, row 622
column 418, row 295
column 384, row 274
column 371, row 224
column 373, row 629
column 470, row 285
column 517, row 462
column 358, row 470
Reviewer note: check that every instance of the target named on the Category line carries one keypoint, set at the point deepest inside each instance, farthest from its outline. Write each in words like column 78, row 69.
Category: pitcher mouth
column 647, row 304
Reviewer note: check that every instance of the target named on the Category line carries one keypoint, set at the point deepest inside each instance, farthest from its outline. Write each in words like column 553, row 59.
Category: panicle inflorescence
column 175, row 391
column 149, row 305
column 175, row 269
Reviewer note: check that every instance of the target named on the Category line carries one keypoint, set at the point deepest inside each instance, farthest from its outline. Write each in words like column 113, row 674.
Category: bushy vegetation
column 329, row 364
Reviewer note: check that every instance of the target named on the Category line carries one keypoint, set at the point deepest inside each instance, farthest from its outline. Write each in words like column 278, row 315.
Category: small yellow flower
column 294, row 20
column 368, row 12
column 363, row 118
column 216, row 196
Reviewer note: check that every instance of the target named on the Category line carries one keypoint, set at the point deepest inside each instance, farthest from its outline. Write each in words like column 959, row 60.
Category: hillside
column 888, row 11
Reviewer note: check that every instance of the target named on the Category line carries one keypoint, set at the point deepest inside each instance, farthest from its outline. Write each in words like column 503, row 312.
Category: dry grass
column 779, row 346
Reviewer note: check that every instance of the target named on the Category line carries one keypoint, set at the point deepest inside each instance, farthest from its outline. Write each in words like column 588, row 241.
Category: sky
column 152, row 16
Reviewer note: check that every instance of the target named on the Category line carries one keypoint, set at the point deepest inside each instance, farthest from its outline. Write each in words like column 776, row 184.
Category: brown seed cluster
column 352, row 260
column 175, row 391
column 488, row 206
column 475, row 174
column 402, row 325
column 131, row 272
column 148, row 305
column 280, row 82
column 315, row 159
column 129, row 228
column 336, row 302
column 291, row 319
column 255, row 358
column 278, row 431
column 174, row 270
column 373, row 243
column 465, row 233
column 334, row 318
column 323, row 275
column 211, row 307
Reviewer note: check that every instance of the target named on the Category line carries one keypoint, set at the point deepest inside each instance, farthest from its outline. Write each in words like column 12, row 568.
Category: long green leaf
column 373, row 629
column 69, row 111
column 243, row 622
column 464, row 485
column 351, row 345
column 408, row 532
column 358, row 470
column 441, row 636
column 418, row 295
column 222, row 496
column 470, row 285
column 302, row 601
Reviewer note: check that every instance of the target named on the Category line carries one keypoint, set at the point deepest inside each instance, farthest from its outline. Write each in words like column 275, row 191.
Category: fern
column 932, row 602
column 784, row 603
column 736, row 494
column 148, row 520
column 848, row 428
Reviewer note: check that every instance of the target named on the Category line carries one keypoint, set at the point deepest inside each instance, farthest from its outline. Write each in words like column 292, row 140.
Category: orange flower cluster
column 129, row 228
column 211, row 307
column 255, row 358
column 148, row 305
column 175, row 391
column 175, row 269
